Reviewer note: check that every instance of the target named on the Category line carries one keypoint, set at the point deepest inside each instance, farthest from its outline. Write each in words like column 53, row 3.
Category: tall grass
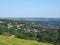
column 4, row 40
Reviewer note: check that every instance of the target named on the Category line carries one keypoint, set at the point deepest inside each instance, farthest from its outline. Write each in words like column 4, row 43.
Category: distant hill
column 15, row 41
column 50, row 21
column 34, row 19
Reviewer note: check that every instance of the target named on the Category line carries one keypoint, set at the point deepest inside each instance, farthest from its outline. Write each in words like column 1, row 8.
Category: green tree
column 58, row 40
column 2, row 29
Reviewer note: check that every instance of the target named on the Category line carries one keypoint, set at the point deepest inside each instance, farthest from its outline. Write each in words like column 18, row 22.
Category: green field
column 4, row 40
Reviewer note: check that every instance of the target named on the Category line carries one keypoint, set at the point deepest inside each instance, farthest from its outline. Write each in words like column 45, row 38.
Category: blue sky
column 30, row 8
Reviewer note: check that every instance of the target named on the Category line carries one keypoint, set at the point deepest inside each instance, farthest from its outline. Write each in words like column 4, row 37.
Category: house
column 10, row 25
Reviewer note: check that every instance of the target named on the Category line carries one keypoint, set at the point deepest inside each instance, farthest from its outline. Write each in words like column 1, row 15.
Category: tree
column 2, row 29
column 58, row 40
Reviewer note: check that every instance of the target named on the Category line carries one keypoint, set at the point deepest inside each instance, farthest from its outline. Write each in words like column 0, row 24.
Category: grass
column 4, row 40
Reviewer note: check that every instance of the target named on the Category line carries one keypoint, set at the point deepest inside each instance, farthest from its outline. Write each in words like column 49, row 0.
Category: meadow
column 4, row 40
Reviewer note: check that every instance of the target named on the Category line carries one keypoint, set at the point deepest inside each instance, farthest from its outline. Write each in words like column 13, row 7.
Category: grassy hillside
column 15, row 41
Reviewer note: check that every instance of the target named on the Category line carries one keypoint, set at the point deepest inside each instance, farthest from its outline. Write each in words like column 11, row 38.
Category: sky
column 30, row 8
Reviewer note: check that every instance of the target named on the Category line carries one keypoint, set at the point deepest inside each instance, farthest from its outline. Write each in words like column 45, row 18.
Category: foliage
column 48, row 35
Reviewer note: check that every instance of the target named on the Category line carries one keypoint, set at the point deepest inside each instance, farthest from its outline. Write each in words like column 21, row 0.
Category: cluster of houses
column 18, row 26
